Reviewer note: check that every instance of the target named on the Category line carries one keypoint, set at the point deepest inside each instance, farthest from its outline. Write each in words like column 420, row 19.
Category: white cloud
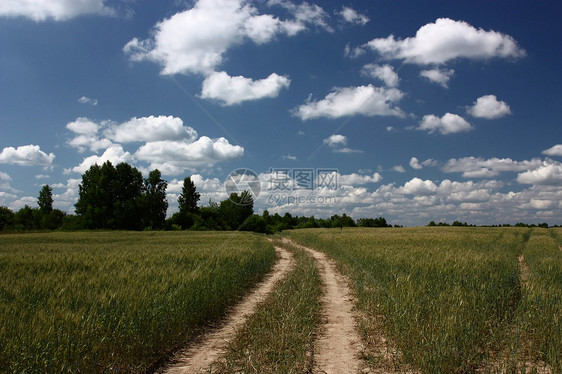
column 22, row 202
column 553, row 151
column 26, row 155
column 399, row 169
column 477, row 167
column 366, row 100
column 194, row 41
column 354, row 179
column 385, row 73
column 4, row 180
column 346, row 150
column 87, row 135
column 66, row 199
column 416, row 186
column 58, row 10
column 549, row 174
column 489, row 107
column 83, row 126
column 114, row 154
column 148, row 129
column 87, row 100
column 336, row 140
column 439, row 76
column 415, row 163
column 338, row 144
column 352, row 16
column 235, row 90
column 448, row 124
column 173, row 157
column 446, row 40
column 304, row 14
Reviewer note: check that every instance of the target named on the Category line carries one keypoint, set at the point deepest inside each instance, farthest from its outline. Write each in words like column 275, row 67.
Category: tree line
column 119, row 198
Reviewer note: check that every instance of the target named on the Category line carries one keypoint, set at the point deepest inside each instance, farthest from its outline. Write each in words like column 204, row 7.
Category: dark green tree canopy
column 156, row 204
column 45, row 200
column 189, row 197
column 110, row 197
column 237, row 209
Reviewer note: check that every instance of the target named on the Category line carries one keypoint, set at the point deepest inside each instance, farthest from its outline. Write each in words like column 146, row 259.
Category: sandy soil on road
column 338, row 346
column 199, row 357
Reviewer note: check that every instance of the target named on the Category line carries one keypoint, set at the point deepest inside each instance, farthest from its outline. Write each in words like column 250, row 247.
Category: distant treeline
column 519, row 224
column 119, row 198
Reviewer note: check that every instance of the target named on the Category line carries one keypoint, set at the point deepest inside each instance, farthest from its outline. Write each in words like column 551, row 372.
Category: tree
column 155, row 202
column 127, row 189
column 189, row 197
column 110, row 197
column 27, row 218
column 6, row 217
column 95, row 202
column 236, row 209
column 45, row 200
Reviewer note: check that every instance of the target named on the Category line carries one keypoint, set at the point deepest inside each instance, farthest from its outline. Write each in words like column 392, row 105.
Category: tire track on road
column 199, row 357
column 338, row 346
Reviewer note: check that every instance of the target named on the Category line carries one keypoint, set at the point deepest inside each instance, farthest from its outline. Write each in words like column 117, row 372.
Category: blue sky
column 420, row 110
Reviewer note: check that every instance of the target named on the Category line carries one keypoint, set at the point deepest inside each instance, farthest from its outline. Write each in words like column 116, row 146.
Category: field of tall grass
column 117, row 301
column 451, row 300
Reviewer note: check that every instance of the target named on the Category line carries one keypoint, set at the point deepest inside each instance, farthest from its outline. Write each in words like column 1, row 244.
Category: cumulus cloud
column 448, row 124
column 304, row 14
column 399, row 169
column 415, row 163
column 477, row 167
column 5, row 181
column 549, row 174
column 58, row 10
column 446, row 40
column 336, row 140
column 488, row 107
column 348, row 101
column 338, row 144
column 553, row 151
column 86, row 135
column 168, row 145
column 385, row 73
column 87, row 100
column 194, row 41
column 439, row 76
column 354, row 179
column 417, row 186
column 94, row 136
column 26, row 155
column 114, row 154
column 235, row 90
column 66, row 199
column 173, row 157
column 152, row 128
column 350, row 15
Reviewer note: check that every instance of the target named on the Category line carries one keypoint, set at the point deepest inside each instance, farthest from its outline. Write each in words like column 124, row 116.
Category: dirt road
column 200, row 356
column 339, row 345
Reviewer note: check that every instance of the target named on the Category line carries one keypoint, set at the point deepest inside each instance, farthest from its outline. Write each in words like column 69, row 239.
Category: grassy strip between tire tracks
column 279, row 337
